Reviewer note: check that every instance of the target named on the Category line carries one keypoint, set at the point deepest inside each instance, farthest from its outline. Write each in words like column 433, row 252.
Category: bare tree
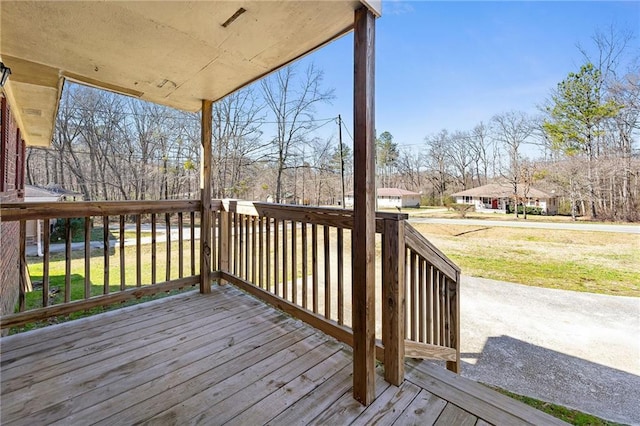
column 437, row 165
column 511, row 130
column 410, row 166
column 291, row 98
column 482, row 152
column 461, row 157
column 236, row 141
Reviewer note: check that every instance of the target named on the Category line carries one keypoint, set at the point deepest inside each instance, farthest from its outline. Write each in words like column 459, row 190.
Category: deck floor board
column 223, row 358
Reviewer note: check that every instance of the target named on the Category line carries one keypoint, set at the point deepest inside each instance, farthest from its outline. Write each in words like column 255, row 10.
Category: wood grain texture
column 454, row 415
column 43, row 210
column 417, row 242
column 394, row 301
column 206, row 127
column 14, row 320
column 87, row 259
column 424, row 410
column 363, row 270
column 224, row 357
column 421, row 350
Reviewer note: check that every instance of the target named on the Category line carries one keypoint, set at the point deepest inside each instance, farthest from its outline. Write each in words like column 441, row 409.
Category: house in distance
column 390, row 198
column 495, row 197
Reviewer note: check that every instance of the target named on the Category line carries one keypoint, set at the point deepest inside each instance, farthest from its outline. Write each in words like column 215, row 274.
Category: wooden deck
column 222, row 358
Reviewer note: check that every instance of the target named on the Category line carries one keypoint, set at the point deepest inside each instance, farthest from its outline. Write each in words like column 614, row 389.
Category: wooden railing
column 299, row 259
column 151, row 261
column 296, row 258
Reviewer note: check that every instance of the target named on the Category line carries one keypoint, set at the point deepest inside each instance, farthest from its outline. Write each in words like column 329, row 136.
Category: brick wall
column 12, row 166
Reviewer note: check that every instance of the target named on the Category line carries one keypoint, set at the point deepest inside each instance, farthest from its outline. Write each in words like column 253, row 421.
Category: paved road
column 580, row 350
column 625, row 229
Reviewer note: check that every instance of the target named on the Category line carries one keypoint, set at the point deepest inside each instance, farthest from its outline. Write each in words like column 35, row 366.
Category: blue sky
column 453, row 64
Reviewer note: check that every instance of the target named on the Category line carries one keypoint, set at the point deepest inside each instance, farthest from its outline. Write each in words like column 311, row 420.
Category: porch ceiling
column 170, row 53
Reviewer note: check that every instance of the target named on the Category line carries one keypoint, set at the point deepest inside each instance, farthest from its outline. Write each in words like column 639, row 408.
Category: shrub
column 530, row 210
column 462, row 209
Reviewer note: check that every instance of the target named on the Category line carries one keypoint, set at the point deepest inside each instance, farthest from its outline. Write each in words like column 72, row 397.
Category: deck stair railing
column 298, row 259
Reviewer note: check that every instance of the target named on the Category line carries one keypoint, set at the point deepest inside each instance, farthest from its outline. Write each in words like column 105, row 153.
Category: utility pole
column 341, row 157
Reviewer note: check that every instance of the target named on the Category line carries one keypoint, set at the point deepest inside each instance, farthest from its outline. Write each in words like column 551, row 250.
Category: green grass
column 568, row 415
column 595, row 262
column 96, row 276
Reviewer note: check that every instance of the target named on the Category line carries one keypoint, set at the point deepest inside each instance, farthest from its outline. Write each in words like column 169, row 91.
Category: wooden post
column 363, row 247
column 224, row 231
column 23, row 266
column 205, row 197
column 454, row 322
column 393, row 300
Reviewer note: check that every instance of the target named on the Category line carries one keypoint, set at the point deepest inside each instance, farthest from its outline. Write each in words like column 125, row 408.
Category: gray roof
column 501, row 190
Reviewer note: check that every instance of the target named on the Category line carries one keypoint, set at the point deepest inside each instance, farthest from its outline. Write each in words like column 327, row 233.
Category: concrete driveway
column 580, row 350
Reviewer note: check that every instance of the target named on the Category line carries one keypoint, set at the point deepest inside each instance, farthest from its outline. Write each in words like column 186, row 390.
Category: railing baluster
column 236, row 246
column 443, row 310
column 226, row 227
column 87, row 257
column 215, row 235
column 261, row 252
column 276, row 255
column 105, row 252
column 294, row 262
column 314, row 260
column 327, row 273
column 422, row 264
column 436, row 307
column 22, row 292
column 153, row 249
column 67, row 260
column 123, row 271
column 254, row 251
column 454, row 322
column 45, row 261
column 339, row 248
column 241, row 253
column 180, row 245
column 268, row 256
column 413, row 304
column 429, row 301
column 167, row 223
column 305, row 272
column 192, row 218
column 285, row 278
column 247, row 247
column 139, row 251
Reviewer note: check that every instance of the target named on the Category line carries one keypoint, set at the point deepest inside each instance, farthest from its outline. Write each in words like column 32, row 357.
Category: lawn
column 568, row 415
column 96, row 274
column 596, row 262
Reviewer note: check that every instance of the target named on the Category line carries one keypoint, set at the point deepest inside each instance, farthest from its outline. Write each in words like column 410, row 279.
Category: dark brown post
column 205, row 196
column 393, row 300
column 224, row 230
column 454, row 321
column 363, row 247
column 23, row 266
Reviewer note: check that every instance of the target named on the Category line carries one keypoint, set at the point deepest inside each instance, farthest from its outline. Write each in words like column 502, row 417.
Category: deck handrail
column 114, row 289
column 291, row 256
column 69, row 209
